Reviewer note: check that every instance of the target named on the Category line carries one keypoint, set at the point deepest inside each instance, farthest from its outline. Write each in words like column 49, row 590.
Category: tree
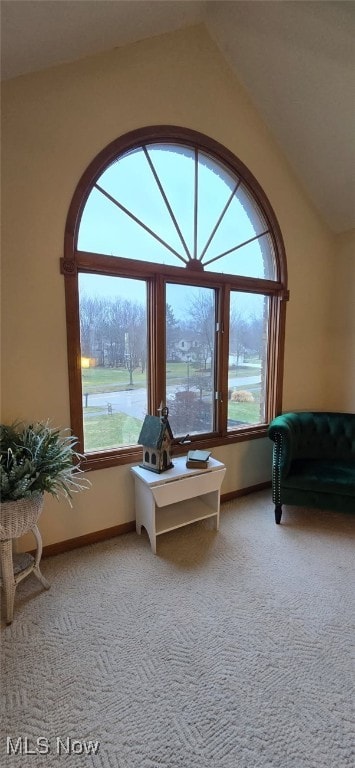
column 93, row 327
column 172, row 332
column 135, row 341
column 254, row 336
column 113, row 331
column 188, row 413
column 202, row 380
column 203, row 320
column 115, row 335
column 237, row 334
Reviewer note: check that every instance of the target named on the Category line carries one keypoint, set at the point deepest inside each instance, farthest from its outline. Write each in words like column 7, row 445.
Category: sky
column 147, row 182
column 102, row 286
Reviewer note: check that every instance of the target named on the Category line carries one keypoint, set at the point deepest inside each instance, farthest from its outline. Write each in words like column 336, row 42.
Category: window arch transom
column 177, row 205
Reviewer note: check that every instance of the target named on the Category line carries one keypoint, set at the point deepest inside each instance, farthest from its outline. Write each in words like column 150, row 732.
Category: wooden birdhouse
column 155, row 437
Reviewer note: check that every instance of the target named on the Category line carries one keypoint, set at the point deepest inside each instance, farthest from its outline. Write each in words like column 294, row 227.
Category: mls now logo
column 42, row 746
column 24, row 746
column 77, row 747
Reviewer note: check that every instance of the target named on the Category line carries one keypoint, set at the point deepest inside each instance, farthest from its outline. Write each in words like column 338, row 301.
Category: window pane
column 133, row 181
column 175, row 167
column 252, row 260
column 215, row 185
column 241, row 222
column 106, row 229
column 247, row 359
column 113, row 334
column 190, row 356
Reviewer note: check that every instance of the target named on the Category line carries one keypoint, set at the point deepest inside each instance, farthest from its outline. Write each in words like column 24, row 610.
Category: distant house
column 186, row 349
column 155, row 437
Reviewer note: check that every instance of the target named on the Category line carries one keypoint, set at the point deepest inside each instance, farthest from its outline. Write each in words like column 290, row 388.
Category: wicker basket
column 18, row 517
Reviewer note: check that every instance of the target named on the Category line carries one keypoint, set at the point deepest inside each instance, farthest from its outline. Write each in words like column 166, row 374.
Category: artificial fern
column 36, row 458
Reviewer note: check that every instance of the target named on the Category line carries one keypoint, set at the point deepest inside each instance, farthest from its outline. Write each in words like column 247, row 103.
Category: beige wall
column 341, row 319
column 55, row 122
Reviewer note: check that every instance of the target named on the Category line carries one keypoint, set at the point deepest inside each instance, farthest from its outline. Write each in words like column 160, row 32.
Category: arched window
column 176, row 284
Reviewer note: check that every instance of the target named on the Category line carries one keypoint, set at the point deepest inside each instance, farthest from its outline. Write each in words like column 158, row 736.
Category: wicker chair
column 16, row 519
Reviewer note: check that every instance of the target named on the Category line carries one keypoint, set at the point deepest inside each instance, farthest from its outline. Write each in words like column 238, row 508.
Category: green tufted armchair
column 313, row 461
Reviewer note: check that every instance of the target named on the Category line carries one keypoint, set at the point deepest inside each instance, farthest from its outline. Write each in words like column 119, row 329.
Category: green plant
column 37, row 458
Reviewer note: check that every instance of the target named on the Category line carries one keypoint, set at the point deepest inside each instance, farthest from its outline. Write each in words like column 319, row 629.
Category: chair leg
column 40, row 577
column 8, row 580
column 278, row 513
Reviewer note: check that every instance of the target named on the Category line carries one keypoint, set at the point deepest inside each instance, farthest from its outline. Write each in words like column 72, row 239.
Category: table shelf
column 177, row 498
column 179, row 514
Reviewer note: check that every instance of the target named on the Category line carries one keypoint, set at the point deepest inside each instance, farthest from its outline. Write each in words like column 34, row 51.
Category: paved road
column 133, row 401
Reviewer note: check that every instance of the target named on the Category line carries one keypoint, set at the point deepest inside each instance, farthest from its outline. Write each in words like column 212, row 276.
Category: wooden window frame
column 156, row 275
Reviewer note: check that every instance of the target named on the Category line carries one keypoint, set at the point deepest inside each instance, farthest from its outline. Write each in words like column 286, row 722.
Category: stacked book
column 197, row 459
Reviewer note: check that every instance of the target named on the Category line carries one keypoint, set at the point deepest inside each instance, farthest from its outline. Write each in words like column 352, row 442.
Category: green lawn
column 102, row 431
column 247, row 412
column 242, row 370
column 97, row 380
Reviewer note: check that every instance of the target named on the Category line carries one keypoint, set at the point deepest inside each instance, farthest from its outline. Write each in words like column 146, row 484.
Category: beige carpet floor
column 227, row 650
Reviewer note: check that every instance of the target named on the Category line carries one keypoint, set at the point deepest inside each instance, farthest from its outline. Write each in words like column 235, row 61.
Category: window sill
column 107, row 459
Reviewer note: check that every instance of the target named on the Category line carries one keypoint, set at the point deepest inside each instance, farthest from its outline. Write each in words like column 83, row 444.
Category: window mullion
column 236, row 247
column 166, row 201
column 275, row 354
column 139, row 222
column 220, row 218
column 222, row 352
column 74, row 358
column 196, row 205
column 156, row 343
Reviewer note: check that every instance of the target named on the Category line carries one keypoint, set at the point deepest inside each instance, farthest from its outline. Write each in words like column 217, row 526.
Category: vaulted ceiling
column 296, row 59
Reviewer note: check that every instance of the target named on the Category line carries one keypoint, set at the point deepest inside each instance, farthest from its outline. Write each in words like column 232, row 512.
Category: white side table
column 177, row 497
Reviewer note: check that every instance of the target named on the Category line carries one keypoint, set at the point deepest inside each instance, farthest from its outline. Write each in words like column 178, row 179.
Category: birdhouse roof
column 153, row 431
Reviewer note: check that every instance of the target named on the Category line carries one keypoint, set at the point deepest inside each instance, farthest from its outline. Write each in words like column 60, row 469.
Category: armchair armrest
column 284, row 433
